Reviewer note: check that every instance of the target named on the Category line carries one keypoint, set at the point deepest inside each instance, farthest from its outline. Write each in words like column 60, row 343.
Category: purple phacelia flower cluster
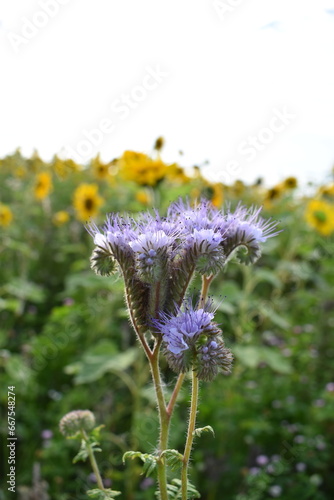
column 159, row 256
column 200, row 233
column 193, row 339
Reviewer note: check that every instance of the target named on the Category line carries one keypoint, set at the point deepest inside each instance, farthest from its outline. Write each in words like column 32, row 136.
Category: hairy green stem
column 136, row 327
column 163, row 418
column 190, row 434
column 175, row 394
column 206, row 281
column 93, row 462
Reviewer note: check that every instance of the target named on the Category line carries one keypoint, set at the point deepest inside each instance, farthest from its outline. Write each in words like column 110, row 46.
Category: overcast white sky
column 208, row 76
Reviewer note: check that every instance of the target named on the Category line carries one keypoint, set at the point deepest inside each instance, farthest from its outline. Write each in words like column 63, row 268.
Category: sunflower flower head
column 87, row 201
column 290, row 183
column 215, row 193
column 176, row 174
column 143, row 197
column 100, row 169
column 64, row 168
column 320, row 215
column 274, row 193
column 327, row 190
column 159, row 143
column 6, row 215
column 140, row 168
column 60, row 218
column 43, row 185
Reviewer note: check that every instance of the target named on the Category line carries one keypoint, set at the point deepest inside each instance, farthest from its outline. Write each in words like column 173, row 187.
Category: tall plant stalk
column 206, row 281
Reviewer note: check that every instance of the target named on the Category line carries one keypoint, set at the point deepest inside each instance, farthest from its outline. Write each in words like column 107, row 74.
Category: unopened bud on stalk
column 76, row 421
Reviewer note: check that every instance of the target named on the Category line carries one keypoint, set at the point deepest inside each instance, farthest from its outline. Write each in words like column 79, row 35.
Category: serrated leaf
column 198, row 432
column 174, row 458
column 150, row 461
column 95, row 433
column 82, row 454
column 102, row 494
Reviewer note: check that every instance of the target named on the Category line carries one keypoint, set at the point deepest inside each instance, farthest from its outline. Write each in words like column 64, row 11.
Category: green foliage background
column 66, row 344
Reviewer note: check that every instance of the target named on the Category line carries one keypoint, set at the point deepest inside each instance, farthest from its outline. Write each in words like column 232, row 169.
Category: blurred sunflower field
column 66, row 343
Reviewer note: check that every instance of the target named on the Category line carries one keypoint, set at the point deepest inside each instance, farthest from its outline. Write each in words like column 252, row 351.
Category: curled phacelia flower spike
column 192, row 339
column 213, row 357
column 151, row 255
column 76, row 421
column 102, row 261
column 207, row 249
column 246, row 229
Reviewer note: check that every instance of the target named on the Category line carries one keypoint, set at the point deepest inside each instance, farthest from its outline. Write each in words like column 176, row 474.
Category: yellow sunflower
column 43, row 185
column 142, row 169
column 100, row 170
column 238, row 187
column 35, row 163
column 320, row 215
column 87, row 201
column 327, row 190
column 274, row 193
column 159, row 143
column 63, row 168
column 215, row 193
column 143, row 197
column 60, row 218
column 6, row 215
column 290, row 183
column 20, row 172
column 176, row 174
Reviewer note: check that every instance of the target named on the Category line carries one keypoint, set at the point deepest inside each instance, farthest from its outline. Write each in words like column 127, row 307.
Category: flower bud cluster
column 152, row 251
column 246, row 229
column 76, row 421
column 193, row 339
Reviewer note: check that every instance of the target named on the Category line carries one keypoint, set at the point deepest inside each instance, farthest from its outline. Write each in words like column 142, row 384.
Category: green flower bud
column 76, row 421
column 102, row 262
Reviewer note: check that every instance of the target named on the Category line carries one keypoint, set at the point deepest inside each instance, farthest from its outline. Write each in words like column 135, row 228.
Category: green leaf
column 174, row 458
column 18, row 370
column 275, row 360
column 150, row 461
column 94, row 364
column 12, row 305
column 82, row 455
column 198, row 432
column 25, row 290
column 20, row 246
column 269, row 276
column 95, row 433
column 102, row 494
column 248, row 355
column 86, row 280
column 251, row 356
column 276, row 319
